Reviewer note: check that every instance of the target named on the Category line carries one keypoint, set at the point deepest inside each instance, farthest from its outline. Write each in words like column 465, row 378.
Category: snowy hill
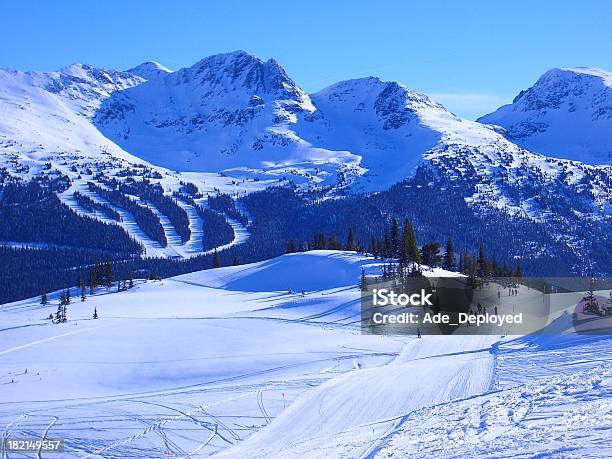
column 149, row 70
column 567, row 113
column 46, row 114
column 228, row 361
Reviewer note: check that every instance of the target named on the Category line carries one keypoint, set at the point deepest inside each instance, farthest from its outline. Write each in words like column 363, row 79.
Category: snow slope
column 567, row 113
column 45, row 114
column 228, row 362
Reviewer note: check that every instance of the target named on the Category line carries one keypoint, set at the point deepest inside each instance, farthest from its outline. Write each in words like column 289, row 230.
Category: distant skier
column 303, row 294
column 418, row 332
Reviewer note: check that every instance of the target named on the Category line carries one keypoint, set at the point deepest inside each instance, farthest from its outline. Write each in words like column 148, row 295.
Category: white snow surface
column 230, row 362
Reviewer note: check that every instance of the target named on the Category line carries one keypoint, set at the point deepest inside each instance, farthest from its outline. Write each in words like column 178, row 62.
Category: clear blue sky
column 470, row 55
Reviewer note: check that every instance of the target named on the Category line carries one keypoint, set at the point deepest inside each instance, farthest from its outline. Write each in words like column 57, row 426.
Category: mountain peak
column 567, row 113
column 149, row 70
column 240, row 69
column 389, row 99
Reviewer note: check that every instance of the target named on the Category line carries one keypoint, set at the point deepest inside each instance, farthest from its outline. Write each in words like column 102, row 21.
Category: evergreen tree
column 517, row 270
column 494, row 266
column 61, row 314
column 58, row 314
column 95, row 314
column 235, row 261
column 333, row 243
column 131, row 284
column 43, row 298
column 430, row 254
column 590, row 302
column 482, row 268
column 350, row 240
column 83, row 292
column 363, row 284
column 413, row 254
column 291, row 247
column 108, row 274
column 216, row 260
column 93, row 281
column 67, row 296
column 395, row 242
column 319, row 242
column 449, row 262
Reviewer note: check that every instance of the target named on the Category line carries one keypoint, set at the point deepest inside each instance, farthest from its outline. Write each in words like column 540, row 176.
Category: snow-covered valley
column 268, row 360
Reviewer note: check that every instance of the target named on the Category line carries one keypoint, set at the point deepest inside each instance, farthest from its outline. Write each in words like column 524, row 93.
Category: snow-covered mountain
column 235, row 123
column 149, row 70
column 48, row 115
column 567, row 113
column 227, row 111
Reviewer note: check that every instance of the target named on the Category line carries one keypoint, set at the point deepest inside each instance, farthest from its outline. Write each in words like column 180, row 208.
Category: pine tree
column 404, row 255
column 93, row 280
column 395, row 243
column 62, row 310
column 83, row 292
column 131, row 284
column 235, row 261
column 108, row 274
column 67, row 296
column 58, row 314
column 95, row 314
column 333, row 243
column 517, row 270
column 363, row 284
column 494, row 266
column 412, row 246
column 505, row 271
column 216, row 260
column 449, row 256
column 291, row 247
column 482, row 269
column 374, row 247
column 43, row 298
column 350, row 240
column 430, row 254
column 590, row 302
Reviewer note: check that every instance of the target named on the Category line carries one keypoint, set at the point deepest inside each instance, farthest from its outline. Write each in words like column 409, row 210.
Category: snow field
column 229, row 362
